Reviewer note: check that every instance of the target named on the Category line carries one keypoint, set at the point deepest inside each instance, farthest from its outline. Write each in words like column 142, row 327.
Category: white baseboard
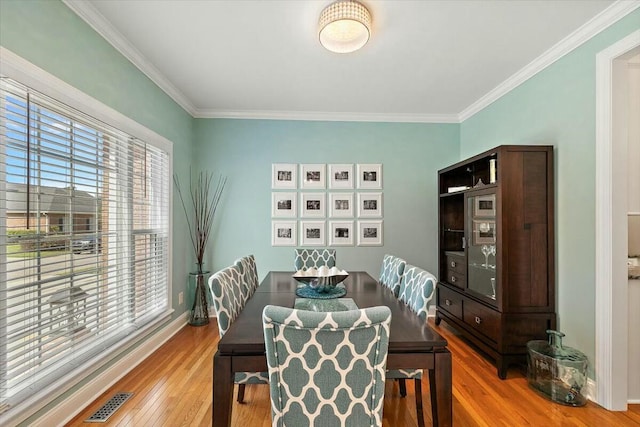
column 75, row 403
column 590, row 390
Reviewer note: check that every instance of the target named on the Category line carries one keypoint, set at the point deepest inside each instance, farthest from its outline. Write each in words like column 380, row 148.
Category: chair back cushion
column 326, row 368
column 228, row 297
column 249, row 274
column 307, row 258
column 416, row 289
column 391, row 272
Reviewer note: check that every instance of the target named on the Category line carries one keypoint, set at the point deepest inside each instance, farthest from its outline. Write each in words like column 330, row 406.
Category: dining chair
column 326, row 368
column 307, row 258
column 391, row 272
column 416, row 291
column 249, row 274
column 226, row 288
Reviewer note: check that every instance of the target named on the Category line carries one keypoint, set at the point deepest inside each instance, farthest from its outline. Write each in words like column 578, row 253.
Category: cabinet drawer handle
column 453, row 263
column 478, row 320
column 447, row 302
column 453, row 279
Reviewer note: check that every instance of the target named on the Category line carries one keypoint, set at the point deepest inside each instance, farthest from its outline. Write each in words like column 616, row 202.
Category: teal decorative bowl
column 321, row 283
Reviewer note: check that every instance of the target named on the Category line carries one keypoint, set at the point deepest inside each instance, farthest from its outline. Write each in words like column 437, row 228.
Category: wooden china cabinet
column 496, row 249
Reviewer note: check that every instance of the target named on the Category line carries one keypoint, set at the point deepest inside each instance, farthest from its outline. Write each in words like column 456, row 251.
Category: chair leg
column 419, row 411
column 241, row 393
column 403, row 387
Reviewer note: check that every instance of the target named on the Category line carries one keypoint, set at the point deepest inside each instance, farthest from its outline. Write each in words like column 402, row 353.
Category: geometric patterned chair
column 326, row 369
column 307, row 258
column 416, row 292
column 228, row 301
column 249, row 273
column 391, row 273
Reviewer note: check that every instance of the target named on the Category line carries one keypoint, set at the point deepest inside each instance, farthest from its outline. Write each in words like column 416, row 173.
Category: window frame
column 20, row 70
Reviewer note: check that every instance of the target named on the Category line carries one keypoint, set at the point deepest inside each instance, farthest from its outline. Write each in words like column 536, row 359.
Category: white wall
column 633, row 173
column 634, row 134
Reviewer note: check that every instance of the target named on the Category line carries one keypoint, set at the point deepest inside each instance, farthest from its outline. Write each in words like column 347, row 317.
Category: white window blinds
column 84, row 228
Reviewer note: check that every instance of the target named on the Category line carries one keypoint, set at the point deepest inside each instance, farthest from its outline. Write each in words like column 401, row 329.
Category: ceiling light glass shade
column 344, row 26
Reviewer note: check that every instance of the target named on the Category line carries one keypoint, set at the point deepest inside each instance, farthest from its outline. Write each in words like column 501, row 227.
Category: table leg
column 222, row 391
column 441, row 390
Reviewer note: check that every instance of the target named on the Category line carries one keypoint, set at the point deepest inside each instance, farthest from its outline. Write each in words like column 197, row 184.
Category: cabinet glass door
column 481, row 245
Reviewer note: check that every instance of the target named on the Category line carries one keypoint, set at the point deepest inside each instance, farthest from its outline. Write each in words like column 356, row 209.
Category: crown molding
column 598, row 23
column 91, row 16
column 328, row 117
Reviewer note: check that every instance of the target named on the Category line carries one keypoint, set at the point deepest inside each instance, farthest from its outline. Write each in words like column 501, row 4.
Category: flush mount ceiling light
column 344, row 26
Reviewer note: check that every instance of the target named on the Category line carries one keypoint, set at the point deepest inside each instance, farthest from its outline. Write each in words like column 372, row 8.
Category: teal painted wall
column 558, row 106
column 54, row 38
column 244, row 151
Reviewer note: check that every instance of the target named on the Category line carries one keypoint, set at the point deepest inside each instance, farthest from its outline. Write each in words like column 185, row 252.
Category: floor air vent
column 112, row 405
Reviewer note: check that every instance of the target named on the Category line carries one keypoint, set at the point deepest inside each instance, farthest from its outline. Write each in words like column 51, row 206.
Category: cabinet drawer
column 456, row 279
column 450, row 301
column 456, row 264
column 482, row 319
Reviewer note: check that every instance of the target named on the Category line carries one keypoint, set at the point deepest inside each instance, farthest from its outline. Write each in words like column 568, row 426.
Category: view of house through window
column 84, row 228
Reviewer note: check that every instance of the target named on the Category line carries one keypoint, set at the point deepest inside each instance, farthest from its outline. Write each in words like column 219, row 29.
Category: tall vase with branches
column 204, row 196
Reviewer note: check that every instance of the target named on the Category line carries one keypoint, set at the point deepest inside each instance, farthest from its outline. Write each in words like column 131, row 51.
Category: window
column 84, row 240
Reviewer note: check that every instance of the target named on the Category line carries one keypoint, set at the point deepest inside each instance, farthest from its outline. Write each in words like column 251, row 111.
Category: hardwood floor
column 173, row 388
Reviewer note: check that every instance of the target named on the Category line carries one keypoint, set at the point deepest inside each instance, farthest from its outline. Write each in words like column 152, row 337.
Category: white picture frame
column 312, row 233
column 284, row 176
column 312, row 205
column 341, row 205
column 369, row 205
column 284, row 233
column 370, row 176
column 284, row 205
column 341, row 233
column 370, row 233
column 312, row 176
column 341, row 176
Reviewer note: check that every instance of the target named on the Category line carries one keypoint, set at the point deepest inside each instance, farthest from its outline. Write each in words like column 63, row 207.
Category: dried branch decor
column 205, row 195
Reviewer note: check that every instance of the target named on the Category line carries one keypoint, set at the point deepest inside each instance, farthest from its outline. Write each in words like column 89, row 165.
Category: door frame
column 611, row 364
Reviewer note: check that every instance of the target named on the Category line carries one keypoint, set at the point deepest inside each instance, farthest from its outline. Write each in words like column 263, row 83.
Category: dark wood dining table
column 412, row 342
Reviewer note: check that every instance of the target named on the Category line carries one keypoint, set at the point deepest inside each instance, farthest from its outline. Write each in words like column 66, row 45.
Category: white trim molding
column 18, row 68
column 15, row 67
column 589, row 390
column 101, row 25
column 327, row 116
column 89, row 14
column 607, row 17
column 610, row 295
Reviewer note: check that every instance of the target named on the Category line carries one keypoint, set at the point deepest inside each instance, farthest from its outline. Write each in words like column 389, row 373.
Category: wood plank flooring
column 173, row 388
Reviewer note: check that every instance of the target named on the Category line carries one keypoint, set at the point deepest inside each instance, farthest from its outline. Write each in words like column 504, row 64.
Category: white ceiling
column 426, row 60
